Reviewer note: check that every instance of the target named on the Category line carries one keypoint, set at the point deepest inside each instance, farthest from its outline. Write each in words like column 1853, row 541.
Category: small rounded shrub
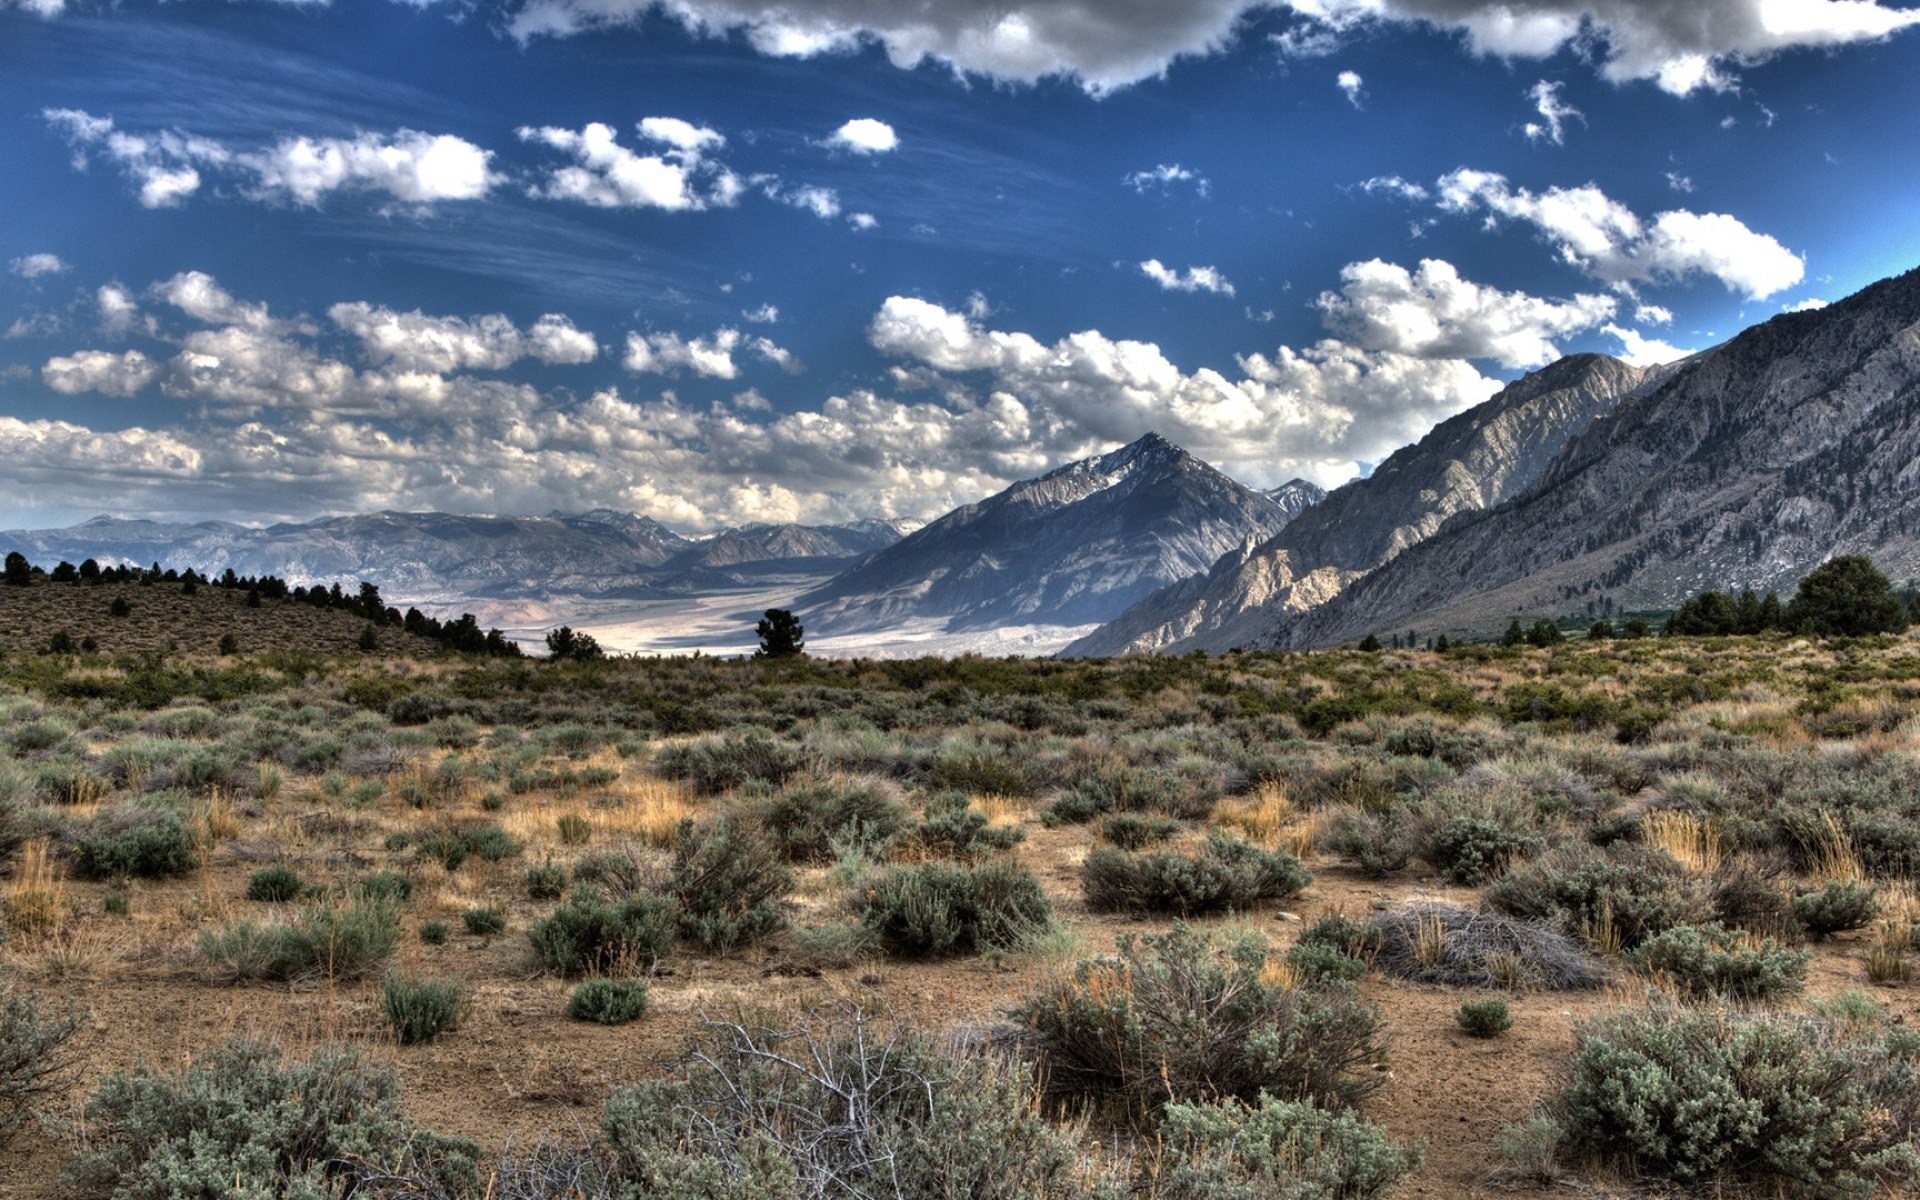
column 420, row 1010
column 149, row 842
column 940, row 907
column 1841, row 906
column 1277, row 1148
column 1484, row 1018
column 728, row 884
column 590, row 934
column 1707, row 960
column 546, row 881
column 608, row 1001
column 574, row 829
column 434, row 933
column 275, row 885
column 806, row 817
column 1226, row 873
column 485, row 920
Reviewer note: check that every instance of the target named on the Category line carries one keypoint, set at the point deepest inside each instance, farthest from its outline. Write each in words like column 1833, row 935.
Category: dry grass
column 1833, row 859
column 1689, row 841
column 1270, row 819
column 37, row 893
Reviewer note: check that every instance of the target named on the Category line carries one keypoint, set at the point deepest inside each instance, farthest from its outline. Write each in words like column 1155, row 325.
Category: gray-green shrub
column 153, row 842
column 275, row 885
column 36, row 1062
column 1225, row 873
column 727, row 883
column 938, row 907
column 808, row 815
column 420, row 1010
column 1276, row 1150
column 608, row 1001
column 592, row 934
column 1706, row 960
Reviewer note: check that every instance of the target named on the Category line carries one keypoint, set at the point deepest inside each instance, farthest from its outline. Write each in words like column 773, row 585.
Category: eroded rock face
column 1746, row 467
column 1467, row 464
column 1073, row 547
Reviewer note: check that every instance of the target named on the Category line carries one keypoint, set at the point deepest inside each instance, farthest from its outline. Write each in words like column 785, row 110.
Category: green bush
column 491, row 843
column 1289, row 1150
column 36, row 1063
column 335, row 940
column 834, row 1106
column 420, row 1010
column 485, row 920
column 546, row 881
column 387, row 885
column 608, row 1001
column 946, row 908
column 1175, row 1018
column 1375, row 844
column 275, row 885
column 1137, row 831
column 242, row 1122
column 954, row 829
column 1840, row 906
column 1633, row 891
column 434, row 933
column 447, row 849
column 136, row 841
column 728, row 884
column 590, row 934
column 1484, row 1018
column 1226, row 873
column 745, row 754
column 806, row 817
column 1710, row 1095
column 1707, row 960
column 1470, row 850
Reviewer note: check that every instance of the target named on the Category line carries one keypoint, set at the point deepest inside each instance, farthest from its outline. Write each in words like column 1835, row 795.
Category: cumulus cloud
column 864, row 135
column 1103, row 46
column 99, row 371
column 33, row 266
column 1810, row 304
column 1681, row 47
column 1393, row 185
column 766, row 314
column 118, row 308
column 1165, row 176
column 822, row 202
column 1433, row 313
column 1554, row 114
column 1643, row 351
column 862, row 221
column 1605, row 239
column 679, row 177
column 414, row 341
column 1351, row 85
column 1193, row 279
column 712, row 357
column 409, row 166
column 200, row 296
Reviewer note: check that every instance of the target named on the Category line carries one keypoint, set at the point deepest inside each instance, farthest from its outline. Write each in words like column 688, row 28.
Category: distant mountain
column 1750, row 465
column 1467, row 463
column 437, row 558
column 1073, row 547
column 1295, row 496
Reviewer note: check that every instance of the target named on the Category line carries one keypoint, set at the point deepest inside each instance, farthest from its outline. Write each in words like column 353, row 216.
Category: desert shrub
column 590, row 933
column 1174, row 1017
column 1841, row 906
column 1624, row 892
column 1372, row 841
column 241, row 1121
column 1440, row 943
column 834, row 944
column 939, row 908
column 728, row 884
column 336, row 939
column 546, row 881
column 275, row 885
column 1136, row 789
column 744, row 754
column 1287, row 1150
column 1470, row 850
column 1707, row 960
column 1137, row 831
column 65, row 781
column 608, row 1001
column 1226, row 873
column 1335, row 947
column 420, row 1010
column 981, row 770
column 808, row 815
column 485, row 920
column 434, row 933
column 387, row 885
column 1749, row 894
column 834, row 1106
column 36, row 1062
column 150, row 842
column 954, row 829
column 1483, row 1018
column 1709, row 1095
column 1317, row 962
column 491, row 843
column 447, row 848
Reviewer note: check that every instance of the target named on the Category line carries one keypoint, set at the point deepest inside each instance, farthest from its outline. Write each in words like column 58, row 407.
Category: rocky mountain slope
column 1467, row 463
column 1073, row 547
column 1754, row 462
column 431, row 558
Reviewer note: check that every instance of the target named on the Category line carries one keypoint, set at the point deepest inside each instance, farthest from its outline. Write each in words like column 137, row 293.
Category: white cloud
column 1604, row 238
column 1652, row 314
column 1351, row 85
column 33, row 266
column 766, row 314
column 201, row 297
column 1393, row 185
column 1680, row 46
column 1643, row 351
column 608, row 175
column 414, row 341
column 99, row 371
column 712, row 357
column 1102, row 46
column 1165, row 176
column 862, row 221
column 118, row 308
column 822, row 202
column 1554, row 111
column 1679, row 182
column 1810, row 304
column 1434, row 313
column 864, row 135
column 1193, row 279
column 413, row 167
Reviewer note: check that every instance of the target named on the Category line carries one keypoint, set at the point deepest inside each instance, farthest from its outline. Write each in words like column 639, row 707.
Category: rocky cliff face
column 1073, row 547
column 1466, row 464
column 1748, row 466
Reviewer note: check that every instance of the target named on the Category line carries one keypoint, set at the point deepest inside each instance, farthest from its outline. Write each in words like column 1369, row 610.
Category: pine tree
column 780, row 635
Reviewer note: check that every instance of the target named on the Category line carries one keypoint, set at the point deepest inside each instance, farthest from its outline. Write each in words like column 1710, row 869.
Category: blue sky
column 721, row 261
